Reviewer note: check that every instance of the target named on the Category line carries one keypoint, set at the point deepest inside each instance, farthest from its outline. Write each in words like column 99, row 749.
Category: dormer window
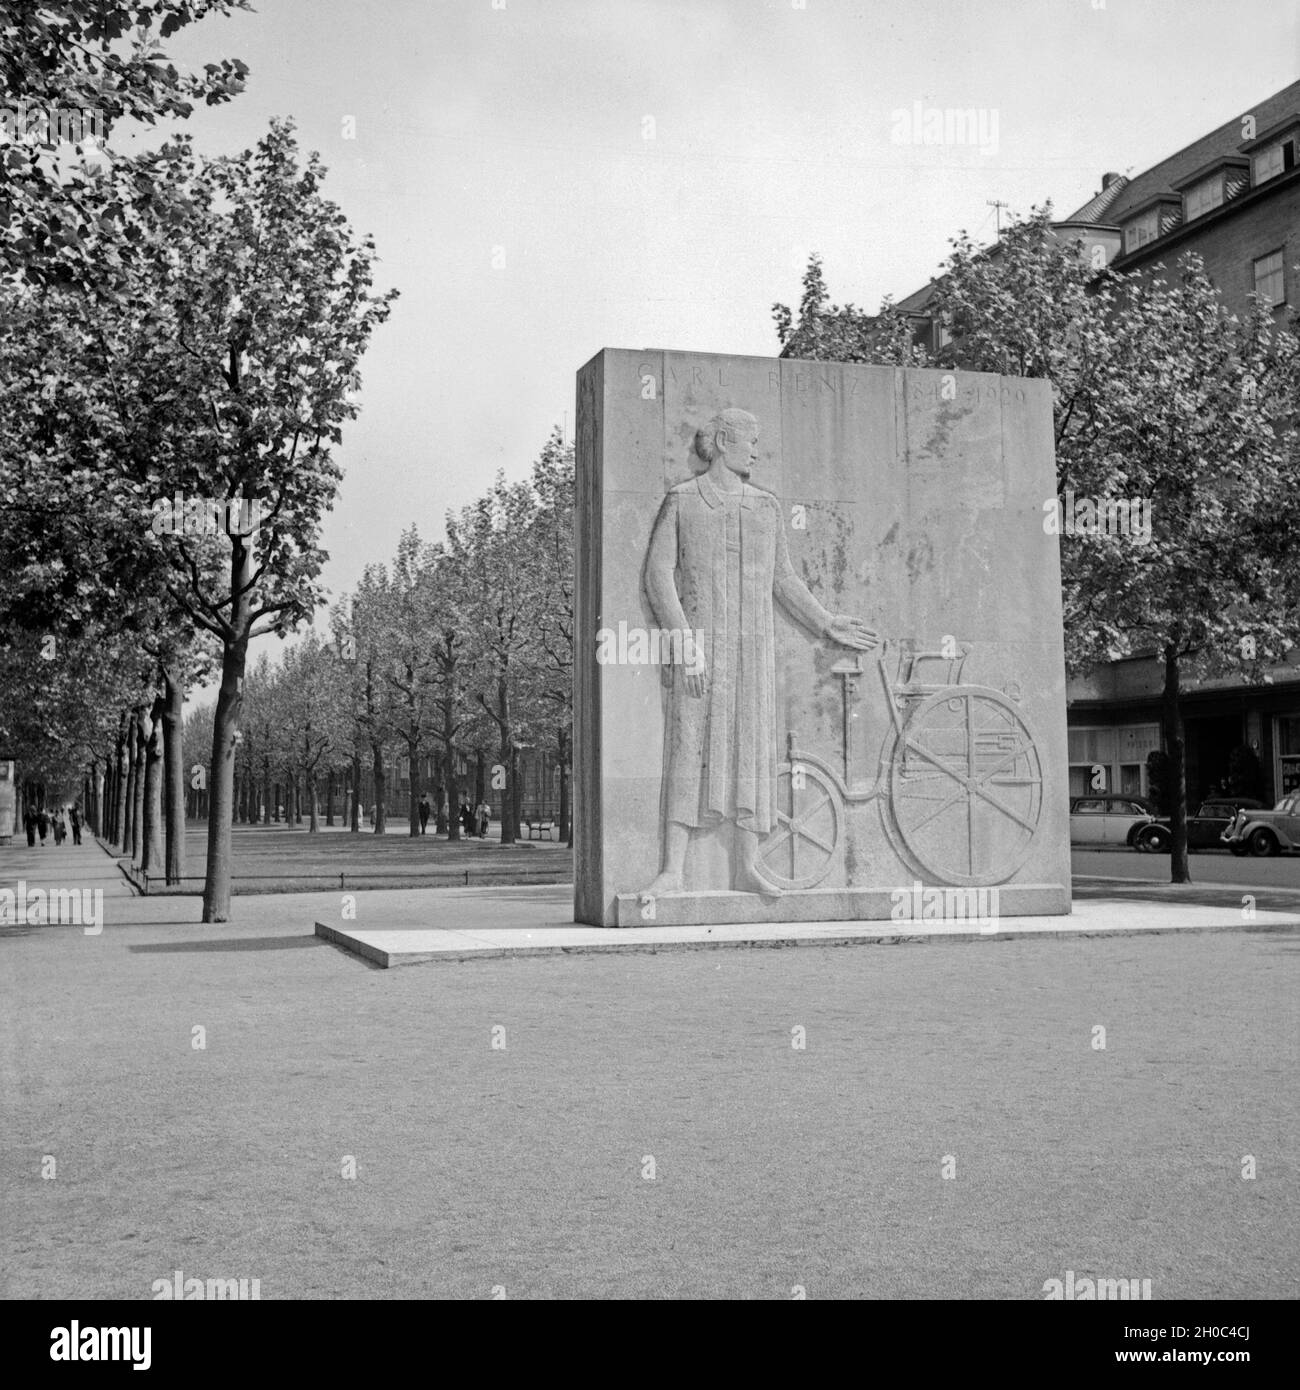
column 1212, row 185
column 1142, row 230
column 1275, row 158
column 1204, row 197
column 1151, row 221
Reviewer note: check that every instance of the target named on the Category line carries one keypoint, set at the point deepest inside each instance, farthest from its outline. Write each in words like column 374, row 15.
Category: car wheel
column 1263, row 843
column 1151, row 840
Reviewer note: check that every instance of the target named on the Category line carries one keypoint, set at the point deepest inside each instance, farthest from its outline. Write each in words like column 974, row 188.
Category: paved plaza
column 639, row 1124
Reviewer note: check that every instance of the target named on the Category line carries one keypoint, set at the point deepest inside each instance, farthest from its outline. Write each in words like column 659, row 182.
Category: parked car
column 1205, row 829
column 1266, row 832
column 1118, row 820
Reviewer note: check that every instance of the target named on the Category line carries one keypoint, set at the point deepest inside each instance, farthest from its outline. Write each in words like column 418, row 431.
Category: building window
column 1273, row 160
column 1287, row 748
column 1268, row 279
column 1204, row 197
column 1141, row 230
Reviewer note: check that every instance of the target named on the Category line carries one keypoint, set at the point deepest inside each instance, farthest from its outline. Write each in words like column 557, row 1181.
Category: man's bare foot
column 749, row 880
column 666, row 882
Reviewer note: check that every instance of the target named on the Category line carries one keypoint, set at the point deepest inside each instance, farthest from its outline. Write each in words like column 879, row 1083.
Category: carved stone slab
column 819, row 666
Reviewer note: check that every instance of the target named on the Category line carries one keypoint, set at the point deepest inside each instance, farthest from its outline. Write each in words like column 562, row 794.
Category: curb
column 388, row 960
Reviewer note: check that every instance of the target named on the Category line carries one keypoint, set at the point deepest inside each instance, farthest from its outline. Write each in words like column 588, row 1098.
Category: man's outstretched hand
column 851, row 632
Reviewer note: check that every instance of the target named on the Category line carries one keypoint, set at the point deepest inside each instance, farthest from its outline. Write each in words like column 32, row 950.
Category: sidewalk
column 400, row 926
column 83, row 866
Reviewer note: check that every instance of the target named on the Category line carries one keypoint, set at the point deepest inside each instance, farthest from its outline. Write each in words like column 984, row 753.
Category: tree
column 363, row 639
column 488, row 548
column 310, row 714
column 68, row 212
column 1193, row 420
column 551, row 549
column 449, row 690
column 258, row 307
column 409, row 659
column 841, row 332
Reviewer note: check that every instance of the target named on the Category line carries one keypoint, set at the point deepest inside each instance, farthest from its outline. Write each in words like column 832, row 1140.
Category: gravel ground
column 525, row 1168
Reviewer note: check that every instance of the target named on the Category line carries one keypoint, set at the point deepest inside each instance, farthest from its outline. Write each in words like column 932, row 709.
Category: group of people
column 60, row 820
column 473, row 822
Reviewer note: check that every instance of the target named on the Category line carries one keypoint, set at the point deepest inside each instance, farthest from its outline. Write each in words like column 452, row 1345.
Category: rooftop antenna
column 997, row 204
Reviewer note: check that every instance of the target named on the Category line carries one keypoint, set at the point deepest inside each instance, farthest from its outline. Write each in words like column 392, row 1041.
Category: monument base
column 920, row 903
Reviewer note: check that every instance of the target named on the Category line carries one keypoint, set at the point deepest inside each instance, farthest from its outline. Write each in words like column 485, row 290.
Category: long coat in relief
column 716, row 562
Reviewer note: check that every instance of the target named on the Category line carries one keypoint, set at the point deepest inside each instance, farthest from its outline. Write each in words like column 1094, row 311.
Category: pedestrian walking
column 424, row 812
column 75, row 820
column 60, row 830
column 43, row 824
column 484, row 816
column 29, row 824
column 466, row 819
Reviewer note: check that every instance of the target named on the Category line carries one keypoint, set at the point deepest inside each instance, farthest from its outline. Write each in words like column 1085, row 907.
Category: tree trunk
column 120, row 783
column 96, row 796
column 356, row 793
column 313, row 802
column 416, row 786
column 151, row 853
column 565, row 832
column 444, row 817
column 377, row 750
column 453, row 789
column 509, row 760
column 480, row 777
column 515, row 794
column 329, row 796
column 137, row 812
column 221, row 776
column 128, row 805
column 1179, row 869
column 266, row 791
column 225, row 727
column 173, row 721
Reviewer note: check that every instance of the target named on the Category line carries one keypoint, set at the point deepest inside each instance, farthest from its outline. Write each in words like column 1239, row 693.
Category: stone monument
column 819, row 664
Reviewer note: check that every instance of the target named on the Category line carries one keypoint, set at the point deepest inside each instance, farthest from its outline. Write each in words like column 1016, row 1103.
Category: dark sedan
column 1205, row 828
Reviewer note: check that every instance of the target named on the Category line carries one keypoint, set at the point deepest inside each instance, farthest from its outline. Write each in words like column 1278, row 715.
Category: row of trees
column 171, row 327
column 456, row 650
column 1160, row 394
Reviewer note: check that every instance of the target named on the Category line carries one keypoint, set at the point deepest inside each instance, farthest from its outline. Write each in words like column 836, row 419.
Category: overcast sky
column 655, row 173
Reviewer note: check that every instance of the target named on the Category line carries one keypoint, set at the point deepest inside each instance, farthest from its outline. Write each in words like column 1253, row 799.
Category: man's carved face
column 739, row 449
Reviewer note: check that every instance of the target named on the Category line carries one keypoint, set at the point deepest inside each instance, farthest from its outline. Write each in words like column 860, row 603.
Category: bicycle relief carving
column 957, row 777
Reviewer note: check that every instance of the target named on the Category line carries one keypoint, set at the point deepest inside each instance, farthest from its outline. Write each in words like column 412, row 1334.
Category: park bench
column 539, row 822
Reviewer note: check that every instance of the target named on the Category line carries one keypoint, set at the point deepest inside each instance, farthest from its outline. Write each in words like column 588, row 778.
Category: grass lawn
column 283, row 859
